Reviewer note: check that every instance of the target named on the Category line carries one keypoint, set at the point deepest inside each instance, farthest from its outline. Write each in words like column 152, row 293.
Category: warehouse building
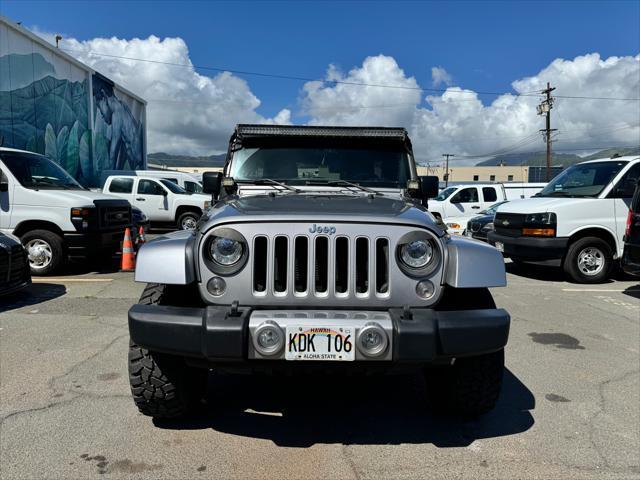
column 53, row 104
column 491, row 173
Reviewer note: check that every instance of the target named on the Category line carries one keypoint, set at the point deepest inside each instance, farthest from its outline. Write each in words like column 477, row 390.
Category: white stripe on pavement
column 70, row 280
column 599, row 290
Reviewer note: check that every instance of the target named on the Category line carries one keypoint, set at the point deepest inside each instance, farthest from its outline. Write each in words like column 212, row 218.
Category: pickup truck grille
column 320, row 266
column 509, row 224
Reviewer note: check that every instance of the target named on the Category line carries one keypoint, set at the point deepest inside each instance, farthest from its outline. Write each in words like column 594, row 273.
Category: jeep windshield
column 586, row 180
column 380, row 167
column 38, row 172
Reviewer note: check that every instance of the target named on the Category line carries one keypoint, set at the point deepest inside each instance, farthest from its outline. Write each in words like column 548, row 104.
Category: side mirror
column 164, row 192
column 4, row 183
column 429, row 186
column 212, row 183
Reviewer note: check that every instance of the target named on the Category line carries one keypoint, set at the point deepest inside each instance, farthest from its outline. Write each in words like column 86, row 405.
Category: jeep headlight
column 417, row 254
column 225, row 251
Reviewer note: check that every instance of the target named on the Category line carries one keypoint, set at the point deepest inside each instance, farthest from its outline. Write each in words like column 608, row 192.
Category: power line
column 337, row 82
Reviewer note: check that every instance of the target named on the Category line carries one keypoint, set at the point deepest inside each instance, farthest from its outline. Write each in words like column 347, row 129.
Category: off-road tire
column 58, row 254
column 570, row 262
column 471, row 386
column 162, row 385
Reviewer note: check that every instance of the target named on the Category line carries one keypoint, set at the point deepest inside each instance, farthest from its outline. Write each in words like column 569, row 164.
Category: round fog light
column 268, row 338
column 216, row 286
column 425, row 289
column 372, row 340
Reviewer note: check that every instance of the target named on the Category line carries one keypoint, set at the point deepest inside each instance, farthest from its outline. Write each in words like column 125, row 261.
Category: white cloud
column 439, row 76
column 457, row 121
column 187, row 112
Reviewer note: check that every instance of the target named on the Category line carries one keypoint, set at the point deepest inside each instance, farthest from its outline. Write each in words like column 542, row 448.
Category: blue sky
column 582, row 48
column 483, row 45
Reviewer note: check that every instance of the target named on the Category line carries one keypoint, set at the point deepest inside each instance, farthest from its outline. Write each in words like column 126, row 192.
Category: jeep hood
column 318, row 208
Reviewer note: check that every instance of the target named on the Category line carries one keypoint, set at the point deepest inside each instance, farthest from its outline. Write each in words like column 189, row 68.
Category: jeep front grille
column 320, row 266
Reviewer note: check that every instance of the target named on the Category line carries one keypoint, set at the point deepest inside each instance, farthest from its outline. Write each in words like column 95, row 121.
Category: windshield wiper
column 268, row 181
column 344, row 183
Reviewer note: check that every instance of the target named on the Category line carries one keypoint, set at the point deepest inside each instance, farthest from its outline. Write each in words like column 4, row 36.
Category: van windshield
column 582, row 180
column 37, row 172
column 446, row 193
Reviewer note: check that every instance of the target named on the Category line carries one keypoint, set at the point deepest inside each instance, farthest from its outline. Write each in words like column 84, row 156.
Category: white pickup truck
column 579, row 218
column 53, row 215
column 162, row 201
column 466, row 200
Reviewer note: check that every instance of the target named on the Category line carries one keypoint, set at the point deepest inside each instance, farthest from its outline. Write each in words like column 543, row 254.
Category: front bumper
column 218, row 336
column 530, row 248
column 82, row 245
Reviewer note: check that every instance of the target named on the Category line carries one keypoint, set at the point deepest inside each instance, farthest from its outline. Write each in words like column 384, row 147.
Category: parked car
column 139, row 219
column 162, row 201
column 187, row 181
column 465, row 201
column 55, row 217
column 631, row 254
column 14, row 266
column 579, row 218
column 318, row 253
column 479, row 227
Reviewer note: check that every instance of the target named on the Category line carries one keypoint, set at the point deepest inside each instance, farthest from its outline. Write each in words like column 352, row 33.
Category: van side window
column 466, row 195
column 627, row 184
column 149, row 187
column 121, row 185
column 192, row 187
column 489, row 194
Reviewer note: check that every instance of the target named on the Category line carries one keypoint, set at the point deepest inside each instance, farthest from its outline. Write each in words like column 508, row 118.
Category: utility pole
column 446, row 170
column 545, row 109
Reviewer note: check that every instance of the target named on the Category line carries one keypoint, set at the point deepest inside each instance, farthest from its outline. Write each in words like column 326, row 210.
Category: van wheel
column 45, row 250
column 188, row 220
column 588, row 260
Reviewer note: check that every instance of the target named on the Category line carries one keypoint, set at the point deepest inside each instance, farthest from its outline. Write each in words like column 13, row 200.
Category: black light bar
column 246, row 130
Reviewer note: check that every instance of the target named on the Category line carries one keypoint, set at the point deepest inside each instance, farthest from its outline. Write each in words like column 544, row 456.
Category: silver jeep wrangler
column 318, row 254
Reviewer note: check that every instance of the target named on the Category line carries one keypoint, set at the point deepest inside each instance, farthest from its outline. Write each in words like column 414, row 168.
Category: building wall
column 479, row 174
column 49, row 104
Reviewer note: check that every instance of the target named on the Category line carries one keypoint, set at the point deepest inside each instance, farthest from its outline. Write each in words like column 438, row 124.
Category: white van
column 162, row 201
column 466, row 200
column 579, row 218
column 53, row 215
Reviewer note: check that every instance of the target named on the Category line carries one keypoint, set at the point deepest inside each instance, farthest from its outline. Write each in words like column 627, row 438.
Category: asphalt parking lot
column 569, row 409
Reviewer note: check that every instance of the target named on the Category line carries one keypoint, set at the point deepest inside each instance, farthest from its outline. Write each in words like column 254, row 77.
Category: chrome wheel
column 591, row 261
column 188, row 223
column 39, row 253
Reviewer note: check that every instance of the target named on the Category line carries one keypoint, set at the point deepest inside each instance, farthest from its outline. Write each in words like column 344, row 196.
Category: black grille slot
column 260, row 264
column 301, row 257
column 362, row 265
column 342, row 265
column 382, row 265
column 280, row 252
column 321, row 264
column 114, row 217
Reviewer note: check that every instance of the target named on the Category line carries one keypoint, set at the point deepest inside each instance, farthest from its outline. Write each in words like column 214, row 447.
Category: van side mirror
column 4, row 182
column 429, row 186
column 212, row 183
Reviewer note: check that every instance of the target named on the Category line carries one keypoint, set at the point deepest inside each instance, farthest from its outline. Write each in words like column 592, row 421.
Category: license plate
column 335, row 344
column 500, row 246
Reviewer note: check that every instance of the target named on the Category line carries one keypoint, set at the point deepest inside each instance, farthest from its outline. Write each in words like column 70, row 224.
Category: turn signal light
column 539, row 232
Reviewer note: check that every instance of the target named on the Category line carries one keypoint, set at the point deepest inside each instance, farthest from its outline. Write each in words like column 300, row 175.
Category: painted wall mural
column 45, row 107
column 118, row 133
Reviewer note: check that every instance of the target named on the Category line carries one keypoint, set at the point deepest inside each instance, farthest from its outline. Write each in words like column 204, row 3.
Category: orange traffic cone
column 140, row 240
column 128, row 258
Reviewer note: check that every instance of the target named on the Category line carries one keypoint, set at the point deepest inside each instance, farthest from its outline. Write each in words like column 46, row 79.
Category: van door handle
column 140, row 199
column 476, row 207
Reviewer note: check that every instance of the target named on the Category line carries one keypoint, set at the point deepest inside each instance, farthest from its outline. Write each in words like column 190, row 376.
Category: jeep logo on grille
column 322, row 229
